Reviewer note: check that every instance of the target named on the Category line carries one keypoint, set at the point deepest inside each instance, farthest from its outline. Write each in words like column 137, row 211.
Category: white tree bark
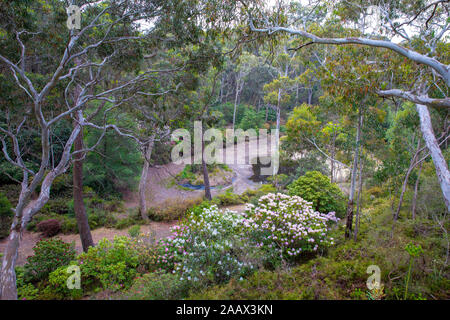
column 442, row 69
column 144, row 177
column 440, row 164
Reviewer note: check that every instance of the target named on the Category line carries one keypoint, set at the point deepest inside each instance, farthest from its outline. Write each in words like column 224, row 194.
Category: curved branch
column 419, row 99
column 442, row 69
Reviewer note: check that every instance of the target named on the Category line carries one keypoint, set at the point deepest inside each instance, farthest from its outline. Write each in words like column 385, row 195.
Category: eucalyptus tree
column 417, row 32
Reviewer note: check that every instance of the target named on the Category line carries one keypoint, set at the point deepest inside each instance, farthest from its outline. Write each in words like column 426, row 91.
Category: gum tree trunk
column 333, row 154
column 405, row 181
column 350, row 204
column 436, row 154
column 8, row 290
column 358, row 201
column 78, row 204
column 416, row 189
column 205, row 174
column 144, row 177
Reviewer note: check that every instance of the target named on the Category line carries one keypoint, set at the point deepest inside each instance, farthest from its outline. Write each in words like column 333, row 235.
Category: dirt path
column 159, row 178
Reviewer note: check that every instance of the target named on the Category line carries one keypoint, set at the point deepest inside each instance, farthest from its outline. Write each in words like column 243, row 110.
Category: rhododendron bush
column 288, row 225
column 215, row 246
column 209, row 246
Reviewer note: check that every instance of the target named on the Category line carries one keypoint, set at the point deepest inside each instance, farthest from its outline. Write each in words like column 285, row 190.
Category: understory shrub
column 172, row 209
column 6, row 215
column 49, row 228
column 134, row 231
column 317, row 188
column 157, row 286
column 227, row 199
column 25, row 290
column 288, row 225
column 49, row 255
column 111, row 265
column 208, row 247
column 57, row 289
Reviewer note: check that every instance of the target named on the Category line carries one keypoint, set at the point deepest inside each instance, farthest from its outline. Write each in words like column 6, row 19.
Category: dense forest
column 94, row 95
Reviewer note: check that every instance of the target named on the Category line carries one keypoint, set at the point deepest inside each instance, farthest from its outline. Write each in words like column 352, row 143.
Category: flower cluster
column 288, row 225
column 207, row 247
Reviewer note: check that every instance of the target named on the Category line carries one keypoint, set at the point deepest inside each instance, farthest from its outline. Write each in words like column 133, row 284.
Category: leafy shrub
column 49, row 228
column 375, row 191
column 172, row 209
column 25, row 290
column 279, row 181
column 227, row 199
column 317, row 188
column 198, row 209
column 227, row 109
column 288, row 225
column 57, row 289
column 49, row 255
column 58, row 206
column 62, row 184
column 69, row 225
column 112, row 265
column 252, row 119
column 124, row 223
column 157, row 286
column 430, row 201
column 9, row 170
column 5, row 216
column 209, row 247
column 146, row 250
column 98, row 218
column 134, row 231
column 254, row 195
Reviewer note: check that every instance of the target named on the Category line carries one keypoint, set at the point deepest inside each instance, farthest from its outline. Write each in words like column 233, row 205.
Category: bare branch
column 420, row 99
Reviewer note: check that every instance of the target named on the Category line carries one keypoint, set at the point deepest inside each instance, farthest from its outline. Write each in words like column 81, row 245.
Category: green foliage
column 252, row 119
column 57, row 286
column 193, row 174
column 5, row 206
column 287, row 226
column 6, row 216
column 209, row 247
column 227, row 110
column 279, row 181
column 134, row 231
column 302, row 124
column 157, row 286
column 198, row 209
column 172, row 209
column 227, row 199
column 25, row 290
column 124, row 223
column 117, row 164
column 9, row 171
column 48, row 255
column 317, row 188
column 414, row 252
column 111, row 265
column 311, row 162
